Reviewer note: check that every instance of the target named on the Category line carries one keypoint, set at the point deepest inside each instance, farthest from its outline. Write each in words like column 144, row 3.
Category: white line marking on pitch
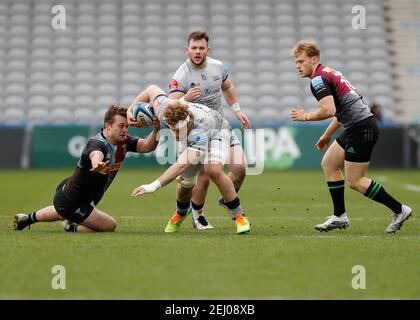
column 353, row 236
column 412, row 187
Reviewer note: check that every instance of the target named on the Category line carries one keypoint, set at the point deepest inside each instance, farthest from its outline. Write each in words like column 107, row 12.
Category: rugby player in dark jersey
column 98, row 165
column 340, row 100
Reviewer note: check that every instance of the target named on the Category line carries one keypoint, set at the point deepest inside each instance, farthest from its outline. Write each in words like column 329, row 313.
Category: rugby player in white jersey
column 202, row 79
column 205, row 138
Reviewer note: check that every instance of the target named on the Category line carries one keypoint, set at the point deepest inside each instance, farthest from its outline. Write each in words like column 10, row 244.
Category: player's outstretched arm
column 326, row 110
column 96, row 158
column 188, row 157
column 150, row 143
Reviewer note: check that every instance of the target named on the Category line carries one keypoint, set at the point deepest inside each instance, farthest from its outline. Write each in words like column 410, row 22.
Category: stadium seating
column 111, row 49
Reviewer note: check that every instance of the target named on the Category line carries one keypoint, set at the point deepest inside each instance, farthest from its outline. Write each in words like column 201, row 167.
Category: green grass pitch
column 282, row 258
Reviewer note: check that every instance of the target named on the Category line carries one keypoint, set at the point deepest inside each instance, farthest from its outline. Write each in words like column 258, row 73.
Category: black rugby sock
column 32, row 218
column 197, row 207
column 337, row 195
column 234, row 207
column 182, row 207
column 377, row 193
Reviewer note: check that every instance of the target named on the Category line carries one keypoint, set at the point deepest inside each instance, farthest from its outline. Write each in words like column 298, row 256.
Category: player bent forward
column 95, row 171
column 202, row 79
column 205, row 136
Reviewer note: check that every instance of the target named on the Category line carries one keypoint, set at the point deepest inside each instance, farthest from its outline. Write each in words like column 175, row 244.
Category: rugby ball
column 142, row 113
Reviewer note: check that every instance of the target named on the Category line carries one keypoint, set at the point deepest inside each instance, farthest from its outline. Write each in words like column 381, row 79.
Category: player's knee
column 325, row 164
column 111, row 225
column 214, row 173
column 329, row 167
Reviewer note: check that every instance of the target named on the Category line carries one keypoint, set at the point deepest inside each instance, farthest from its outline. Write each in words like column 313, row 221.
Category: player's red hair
column 175, row 112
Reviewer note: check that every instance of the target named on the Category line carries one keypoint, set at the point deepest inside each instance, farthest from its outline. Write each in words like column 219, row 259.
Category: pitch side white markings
column 412, row 187
column 354, row 237
column 407, row 186
column 306, row 218
column 224, row 218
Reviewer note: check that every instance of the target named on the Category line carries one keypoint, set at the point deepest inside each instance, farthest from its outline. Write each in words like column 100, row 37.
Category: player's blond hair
column 175, row 112
column 307, row 46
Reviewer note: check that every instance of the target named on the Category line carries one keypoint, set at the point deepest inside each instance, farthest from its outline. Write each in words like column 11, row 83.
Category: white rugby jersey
column 209, row 79
column 207, row 122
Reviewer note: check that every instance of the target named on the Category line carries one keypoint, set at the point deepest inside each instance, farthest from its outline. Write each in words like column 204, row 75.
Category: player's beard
column 120, row 138
column 200, row 62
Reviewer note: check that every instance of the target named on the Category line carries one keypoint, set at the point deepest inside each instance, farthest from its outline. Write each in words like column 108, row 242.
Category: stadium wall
column 284, row 147
column 11, row 146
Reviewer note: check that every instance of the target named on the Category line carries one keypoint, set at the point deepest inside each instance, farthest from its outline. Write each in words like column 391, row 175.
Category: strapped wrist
column 235, row 107
column 156, row 184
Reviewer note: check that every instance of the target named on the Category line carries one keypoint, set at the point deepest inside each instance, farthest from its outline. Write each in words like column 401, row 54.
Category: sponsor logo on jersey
column 106, row 170
column 318, row 84
column 216, row 78
column 199, row 138
column 173, row 85
column 156, row 105
column 203, row 77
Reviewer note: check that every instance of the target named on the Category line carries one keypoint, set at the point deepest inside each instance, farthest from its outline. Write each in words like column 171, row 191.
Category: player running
column 339, row 99
column 98, row 165
column 202, row 79
column 205, row 142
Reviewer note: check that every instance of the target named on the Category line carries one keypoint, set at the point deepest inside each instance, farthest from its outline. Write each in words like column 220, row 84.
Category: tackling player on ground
column 205, row 143
column 98, row 165
column 202, row 79
column 340, row 100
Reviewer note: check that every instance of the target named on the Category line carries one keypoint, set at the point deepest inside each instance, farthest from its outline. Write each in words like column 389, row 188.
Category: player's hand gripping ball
column 143, row 115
